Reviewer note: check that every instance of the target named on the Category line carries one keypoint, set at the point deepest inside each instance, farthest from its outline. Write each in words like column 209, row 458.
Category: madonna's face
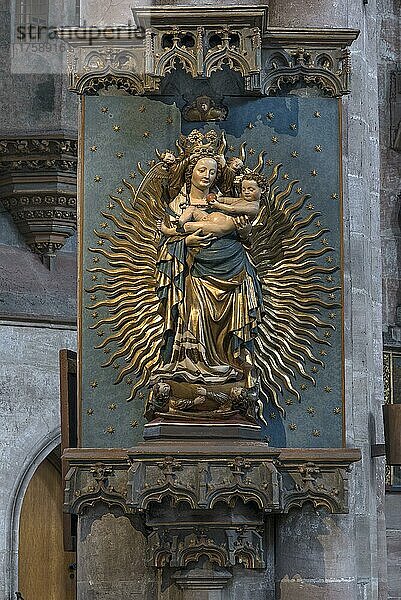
column 204, row 173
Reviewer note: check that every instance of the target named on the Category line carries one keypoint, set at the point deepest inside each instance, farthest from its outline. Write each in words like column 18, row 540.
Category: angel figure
column 213, row 300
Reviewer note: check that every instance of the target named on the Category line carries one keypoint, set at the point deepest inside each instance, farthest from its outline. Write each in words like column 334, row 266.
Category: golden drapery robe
column 211, row 302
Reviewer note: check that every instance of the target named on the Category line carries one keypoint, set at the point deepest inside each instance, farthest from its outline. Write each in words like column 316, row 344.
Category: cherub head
column 235, row 164
column 162, row 390
column 253, row 187
column 168, row 157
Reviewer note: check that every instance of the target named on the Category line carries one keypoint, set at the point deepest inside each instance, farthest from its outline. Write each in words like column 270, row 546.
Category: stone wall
column 29, row 423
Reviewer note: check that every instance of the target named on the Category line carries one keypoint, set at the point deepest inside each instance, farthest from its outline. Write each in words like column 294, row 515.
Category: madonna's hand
column 244, row 227
column 197, row 240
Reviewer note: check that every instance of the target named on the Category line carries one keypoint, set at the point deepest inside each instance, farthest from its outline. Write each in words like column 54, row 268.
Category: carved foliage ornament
column 329, row 70
column 201, row 44
column 199, row 50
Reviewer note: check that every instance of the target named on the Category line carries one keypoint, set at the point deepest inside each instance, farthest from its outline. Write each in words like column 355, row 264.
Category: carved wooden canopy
column 202, row 40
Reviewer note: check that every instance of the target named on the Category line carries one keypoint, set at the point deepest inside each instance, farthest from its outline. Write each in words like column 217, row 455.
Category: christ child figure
column 220, row 220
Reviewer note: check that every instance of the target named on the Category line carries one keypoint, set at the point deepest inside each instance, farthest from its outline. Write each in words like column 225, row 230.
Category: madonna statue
column 211, row 285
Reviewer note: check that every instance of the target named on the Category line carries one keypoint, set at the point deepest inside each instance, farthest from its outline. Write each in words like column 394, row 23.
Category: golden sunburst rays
column 286, row 257
column 133, row 324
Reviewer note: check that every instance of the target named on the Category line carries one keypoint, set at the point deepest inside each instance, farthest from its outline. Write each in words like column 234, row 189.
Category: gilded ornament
column 329, row 259
column 314, row 369
column 311, row 410
column 100, row 333
column 97, row 178
column 100, row 242
column 94, row 384
column 332, row 296
column 270, row 116
column 250, row 126
column 318, row 148
column 329, row 278
column 313, row 173
column 269, row 162
column 299, row 191
column 323, row 353
column 142, row 108
column 119, row 154
column 327, row 334
column 337, row 410
column 109, row 429
column 112, row 406
column 273, row 415
column 316, row 432
column 274, row 139
column 146, row 134
column 110, row 206
column 328, row 389
column 310, row 205
column 169, row 120
column 107, row 350
column 231, row 148
column 104, row 225
column 129, row 381
column 285, row 176
column 116, row 127
column 289, row 401
column 318, row 224
column 134, row 424
column 294, row 154
column 292, row 426
column 334, row 196
column 116, row 366
column 93, row 297
column 89, row 411
column 95, row 315
column 104, row 109
column 316, row 114
column 293, row 126
column 251, row 151
column 94, row 277
column 303, row 386
column 96, row 259
column 132, row 175
column 119, row 190
column 93, row 148
column 325, row 242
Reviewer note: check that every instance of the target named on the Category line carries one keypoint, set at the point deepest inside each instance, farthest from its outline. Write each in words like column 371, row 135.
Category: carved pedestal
column 204, row 508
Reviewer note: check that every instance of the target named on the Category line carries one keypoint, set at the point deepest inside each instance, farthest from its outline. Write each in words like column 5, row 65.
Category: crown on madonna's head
column 202, row 144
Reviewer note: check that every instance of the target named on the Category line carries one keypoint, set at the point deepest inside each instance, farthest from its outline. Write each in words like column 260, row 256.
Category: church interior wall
column 29, row 398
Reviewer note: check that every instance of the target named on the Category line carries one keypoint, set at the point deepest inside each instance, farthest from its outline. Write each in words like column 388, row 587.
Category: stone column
column 320, row 556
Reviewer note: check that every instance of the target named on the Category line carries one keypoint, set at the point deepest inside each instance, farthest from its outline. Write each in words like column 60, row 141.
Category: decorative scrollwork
column 328, row 71
column 90, row 485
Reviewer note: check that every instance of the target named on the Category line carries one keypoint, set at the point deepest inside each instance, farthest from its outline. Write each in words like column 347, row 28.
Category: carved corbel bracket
column 318, row 477
column 46, row 215
column 217, row 493
column 313, row 57
column 224, row 545
column 203, row 484
column 89, row 482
